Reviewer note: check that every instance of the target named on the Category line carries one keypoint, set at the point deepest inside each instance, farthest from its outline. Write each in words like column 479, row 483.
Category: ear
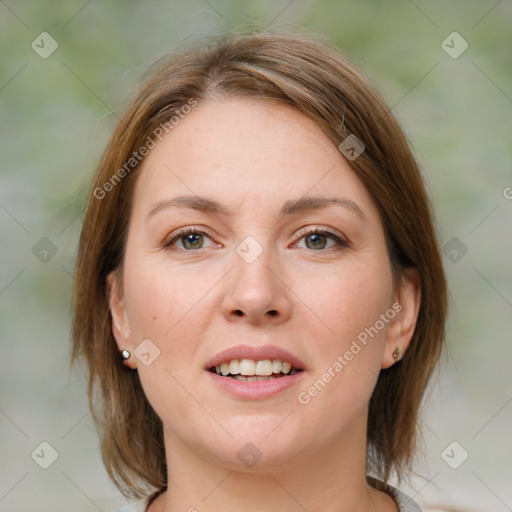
column 120, row 325
column 401, row 329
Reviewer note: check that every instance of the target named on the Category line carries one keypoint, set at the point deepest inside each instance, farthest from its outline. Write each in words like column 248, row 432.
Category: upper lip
column 256, row 354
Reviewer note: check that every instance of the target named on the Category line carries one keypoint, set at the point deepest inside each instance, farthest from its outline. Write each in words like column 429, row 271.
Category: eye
column 190, row 238
column 318, row 239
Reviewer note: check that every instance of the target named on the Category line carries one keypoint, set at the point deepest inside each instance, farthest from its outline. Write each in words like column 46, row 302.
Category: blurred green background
column 56, row 115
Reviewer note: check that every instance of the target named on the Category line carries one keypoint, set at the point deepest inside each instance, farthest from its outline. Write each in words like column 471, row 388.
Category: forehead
column 247, row 154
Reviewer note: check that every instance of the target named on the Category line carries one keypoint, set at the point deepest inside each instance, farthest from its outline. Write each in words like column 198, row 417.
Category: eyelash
column 342, row 244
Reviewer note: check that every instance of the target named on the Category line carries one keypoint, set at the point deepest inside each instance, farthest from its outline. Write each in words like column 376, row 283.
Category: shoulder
column 138, row 506
column 404, row 503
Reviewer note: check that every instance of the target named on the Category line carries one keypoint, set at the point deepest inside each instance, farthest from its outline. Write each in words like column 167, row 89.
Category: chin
column 257, row 450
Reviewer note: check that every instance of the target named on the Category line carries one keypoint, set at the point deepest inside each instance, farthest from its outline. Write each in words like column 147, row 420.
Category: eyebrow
column 290, row 207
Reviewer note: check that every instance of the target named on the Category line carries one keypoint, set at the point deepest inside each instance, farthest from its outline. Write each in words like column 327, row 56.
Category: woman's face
column 256, row 276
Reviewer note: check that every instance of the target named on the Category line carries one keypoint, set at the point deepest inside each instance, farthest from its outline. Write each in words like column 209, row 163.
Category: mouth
column 255, row 373
column 251, row 370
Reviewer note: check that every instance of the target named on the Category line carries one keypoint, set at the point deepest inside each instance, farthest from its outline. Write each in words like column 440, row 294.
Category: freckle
column 154, row 318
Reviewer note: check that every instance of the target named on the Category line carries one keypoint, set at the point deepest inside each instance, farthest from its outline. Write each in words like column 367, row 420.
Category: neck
column 326, row 478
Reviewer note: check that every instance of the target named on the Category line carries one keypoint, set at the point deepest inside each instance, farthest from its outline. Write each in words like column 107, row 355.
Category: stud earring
column 125, row 355
column 396, row 353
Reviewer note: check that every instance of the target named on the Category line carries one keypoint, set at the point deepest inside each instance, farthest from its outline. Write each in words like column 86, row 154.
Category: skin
column 252, row 156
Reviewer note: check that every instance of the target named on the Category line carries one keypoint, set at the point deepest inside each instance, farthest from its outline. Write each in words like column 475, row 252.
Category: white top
column 405, row 504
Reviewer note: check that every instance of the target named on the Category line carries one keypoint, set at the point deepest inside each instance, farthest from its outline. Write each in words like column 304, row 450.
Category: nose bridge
column 255, row 292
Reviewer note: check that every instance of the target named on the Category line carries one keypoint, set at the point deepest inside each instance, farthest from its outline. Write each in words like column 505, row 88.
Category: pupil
column 316, row 239
column 192, row 238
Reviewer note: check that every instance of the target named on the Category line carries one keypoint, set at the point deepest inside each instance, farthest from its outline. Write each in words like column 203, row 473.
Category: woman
column 260, row 296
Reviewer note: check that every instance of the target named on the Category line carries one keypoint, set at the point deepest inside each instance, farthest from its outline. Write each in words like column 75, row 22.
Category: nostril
column 272, row 312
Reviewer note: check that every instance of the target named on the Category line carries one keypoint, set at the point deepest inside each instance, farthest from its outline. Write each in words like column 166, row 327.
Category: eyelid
column 177, row 234
column 338, row 238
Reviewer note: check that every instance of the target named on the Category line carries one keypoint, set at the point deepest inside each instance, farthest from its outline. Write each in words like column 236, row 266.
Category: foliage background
column 56, row 116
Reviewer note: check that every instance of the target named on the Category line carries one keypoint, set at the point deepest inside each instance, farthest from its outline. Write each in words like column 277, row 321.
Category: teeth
column 253, row 378
column 234, row 367
column 277, row 366
column 248, row 367
column 264, row 367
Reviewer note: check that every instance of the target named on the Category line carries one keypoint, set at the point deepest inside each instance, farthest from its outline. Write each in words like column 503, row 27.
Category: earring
column 396, row 353
column 125, row 355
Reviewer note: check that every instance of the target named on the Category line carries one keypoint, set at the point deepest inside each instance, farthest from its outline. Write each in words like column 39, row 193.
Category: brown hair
column 310, row 76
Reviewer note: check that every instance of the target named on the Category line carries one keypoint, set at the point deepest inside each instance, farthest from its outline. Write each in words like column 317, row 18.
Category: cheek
column 151, row 306
column 347, row 302
column 156, row 296
column 167, row 305
column 162, row 306
column 349, row 344
column 349, row 341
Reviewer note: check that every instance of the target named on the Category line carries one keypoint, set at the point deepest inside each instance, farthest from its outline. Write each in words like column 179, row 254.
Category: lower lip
column 255, row 390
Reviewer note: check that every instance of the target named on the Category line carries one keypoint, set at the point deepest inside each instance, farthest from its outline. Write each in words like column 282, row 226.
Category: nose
column 256, row 293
